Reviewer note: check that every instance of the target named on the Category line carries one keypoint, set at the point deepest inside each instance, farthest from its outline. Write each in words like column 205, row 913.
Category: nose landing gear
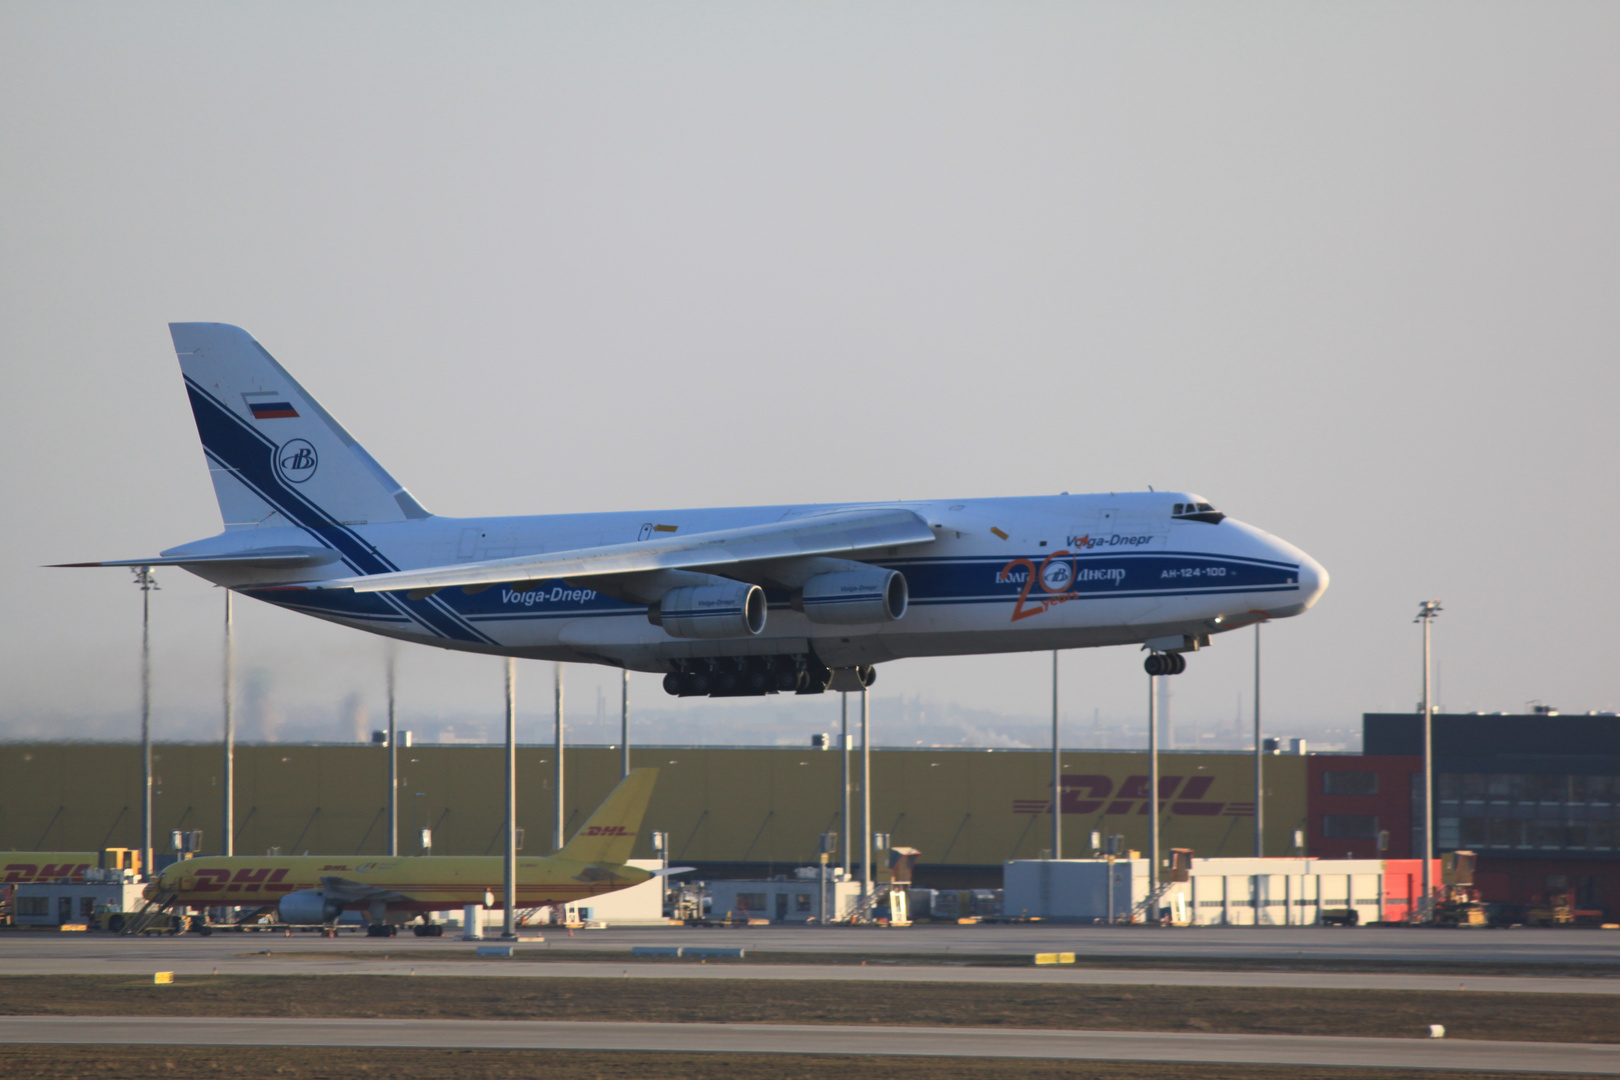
column 1165, row 664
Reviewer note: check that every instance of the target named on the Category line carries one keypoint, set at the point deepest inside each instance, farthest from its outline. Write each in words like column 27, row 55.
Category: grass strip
column 273, row 1063
column 1379, row 1013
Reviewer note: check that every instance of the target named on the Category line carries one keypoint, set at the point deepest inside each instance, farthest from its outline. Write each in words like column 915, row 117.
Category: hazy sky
column 1350, row 271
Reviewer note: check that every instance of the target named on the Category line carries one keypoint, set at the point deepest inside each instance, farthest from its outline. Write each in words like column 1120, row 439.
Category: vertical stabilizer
column 276, row 457
column 610, row 835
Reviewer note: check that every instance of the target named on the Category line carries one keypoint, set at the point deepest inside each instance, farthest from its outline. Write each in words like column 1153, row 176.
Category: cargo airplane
column 388, row 892
column 734, row 601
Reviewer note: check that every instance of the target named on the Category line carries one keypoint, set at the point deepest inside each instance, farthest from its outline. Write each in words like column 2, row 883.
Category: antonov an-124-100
column 722, row 602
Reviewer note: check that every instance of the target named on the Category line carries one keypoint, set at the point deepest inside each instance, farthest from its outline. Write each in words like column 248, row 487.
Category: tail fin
column 610, row 834
column 277, row 457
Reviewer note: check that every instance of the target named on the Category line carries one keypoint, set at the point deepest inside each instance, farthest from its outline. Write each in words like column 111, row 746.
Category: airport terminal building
column 1536, row 796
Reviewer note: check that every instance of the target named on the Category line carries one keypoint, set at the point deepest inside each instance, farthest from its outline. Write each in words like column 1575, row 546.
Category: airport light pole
column 393, row 764
column 146, row 581
column 509, row 859
column 1428, row 611
column 228, row 822
column 558, row 836
column 843, row 749
column 1153, row 794
column 866, row 794
column 1259, row 759
column 624, row 725
column 1057, row 768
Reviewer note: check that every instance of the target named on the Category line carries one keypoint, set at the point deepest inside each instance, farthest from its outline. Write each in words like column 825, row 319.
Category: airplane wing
column 344, row 891
column 837, row 532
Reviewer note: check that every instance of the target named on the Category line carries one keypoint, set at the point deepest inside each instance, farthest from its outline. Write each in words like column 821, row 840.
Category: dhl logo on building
column 1097, row 794
column 20, row 873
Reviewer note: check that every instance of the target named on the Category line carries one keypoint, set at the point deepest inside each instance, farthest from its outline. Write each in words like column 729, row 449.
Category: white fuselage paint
column 1002, row 575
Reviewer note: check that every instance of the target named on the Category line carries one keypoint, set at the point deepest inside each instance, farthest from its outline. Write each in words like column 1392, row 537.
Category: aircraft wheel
column 699, row 682
column 1179, row 661
column 790, row 680
column 759, row 681
column 672, row 684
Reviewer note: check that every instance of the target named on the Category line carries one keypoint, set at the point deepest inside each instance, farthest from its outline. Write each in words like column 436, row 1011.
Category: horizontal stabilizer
column 275, row 557
column 837, row 532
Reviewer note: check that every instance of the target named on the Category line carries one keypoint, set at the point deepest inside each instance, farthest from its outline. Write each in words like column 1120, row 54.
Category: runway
column 1525, row 946
column 233, row 954
column 203, row 967
column 1462, row 1055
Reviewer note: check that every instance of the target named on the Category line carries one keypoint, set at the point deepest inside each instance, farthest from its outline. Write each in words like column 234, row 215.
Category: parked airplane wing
column 837, row 532
column 345, row 891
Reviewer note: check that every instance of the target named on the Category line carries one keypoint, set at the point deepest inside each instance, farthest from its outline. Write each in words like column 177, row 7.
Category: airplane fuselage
column 423, row 883
column 1002, row 575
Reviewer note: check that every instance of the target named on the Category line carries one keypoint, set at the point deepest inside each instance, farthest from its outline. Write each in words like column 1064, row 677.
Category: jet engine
column 849, row 597
column 307, row 906
column 711, row 611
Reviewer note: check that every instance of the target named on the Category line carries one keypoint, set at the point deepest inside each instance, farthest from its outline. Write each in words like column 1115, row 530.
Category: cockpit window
column 1198, row 511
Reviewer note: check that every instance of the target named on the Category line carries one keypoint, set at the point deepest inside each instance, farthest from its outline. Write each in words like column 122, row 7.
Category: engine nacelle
column 849, row 597
column 307, row 907
column 711, row 611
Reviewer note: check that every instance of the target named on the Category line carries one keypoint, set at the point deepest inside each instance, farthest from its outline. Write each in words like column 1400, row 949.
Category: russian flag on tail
column 267, row 408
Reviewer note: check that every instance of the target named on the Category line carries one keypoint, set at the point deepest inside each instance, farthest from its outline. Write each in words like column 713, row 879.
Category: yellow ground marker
column 159, row 977
column 1054, row 958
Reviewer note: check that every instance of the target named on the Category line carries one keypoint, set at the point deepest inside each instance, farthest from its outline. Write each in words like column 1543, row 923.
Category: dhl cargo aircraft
column 719, row 601
column 23, row 867
column 388, row 892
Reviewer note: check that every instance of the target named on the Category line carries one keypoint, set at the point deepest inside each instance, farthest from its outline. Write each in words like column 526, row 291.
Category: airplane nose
column 1313, row 580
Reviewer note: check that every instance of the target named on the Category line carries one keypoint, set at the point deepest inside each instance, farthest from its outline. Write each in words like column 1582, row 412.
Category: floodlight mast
column 1259, row 759
column 1428, row 611
column 146, row 581
column 509, row 855
column 1057, row 768
column 228, row 738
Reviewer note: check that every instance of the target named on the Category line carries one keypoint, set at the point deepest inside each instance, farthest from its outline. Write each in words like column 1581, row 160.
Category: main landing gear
column 1169, row 663
column 755, row 676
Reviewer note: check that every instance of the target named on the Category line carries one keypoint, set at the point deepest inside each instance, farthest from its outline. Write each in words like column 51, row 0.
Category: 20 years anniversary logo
column 1057, row 575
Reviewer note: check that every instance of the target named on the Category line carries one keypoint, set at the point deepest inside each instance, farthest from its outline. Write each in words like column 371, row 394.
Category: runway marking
column 1453, row 1054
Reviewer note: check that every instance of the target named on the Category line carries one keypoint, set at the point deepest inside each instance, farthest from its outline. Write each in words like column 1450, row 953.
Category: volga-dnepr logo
column 296, row 461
